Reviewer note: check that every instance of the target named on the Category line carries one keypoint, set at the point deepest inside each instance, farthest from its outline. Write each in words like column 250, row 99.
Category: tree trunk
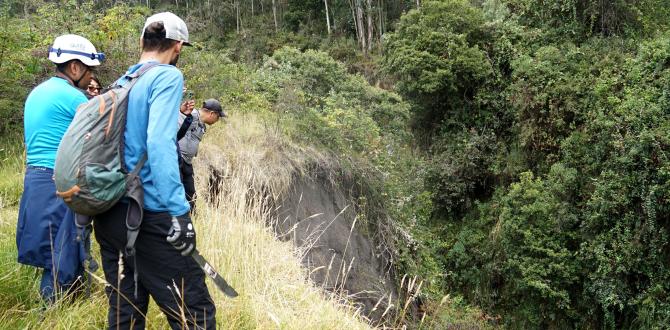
column 237, row 14
column 361, row 28
column 380, row 16
column 252, row 8
column 353, row 16
column 327, row 16
column 370, row 30
column 274, row 14
column 418, row 4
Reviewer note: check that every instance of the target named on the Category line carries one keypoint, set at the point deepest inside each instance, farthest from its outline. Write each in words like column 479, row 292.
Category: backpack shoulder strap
column 132, row 78
column 142, row 70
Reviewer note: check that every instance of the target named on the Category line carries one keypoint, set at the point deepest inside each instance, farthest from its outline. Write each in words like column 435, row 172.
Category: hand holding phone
column 187, row 107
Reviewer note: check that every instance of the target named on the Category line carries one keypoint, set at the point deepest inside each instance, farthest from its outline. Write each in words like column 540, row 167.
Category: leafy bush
column 533, row 246
column 627, row 206
column 437, row 55
column 551, row 94
column 581, row 19
column 461, row 173
column 18, row 67
column 326, row 105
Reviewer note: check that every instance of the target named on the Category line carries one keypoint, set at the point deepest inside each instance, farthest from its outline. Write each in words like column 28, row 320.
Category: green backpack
column 90, row 172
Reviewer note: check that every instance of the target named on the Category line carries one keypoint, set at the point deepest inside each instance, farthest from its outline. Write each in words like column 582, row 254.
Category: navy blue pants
column 176, row 283
column 46, row 234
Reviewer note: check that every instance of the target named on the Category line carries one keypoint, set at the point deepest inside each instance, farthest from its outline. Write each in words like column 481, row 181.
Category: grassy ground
column 11, row 169
column 274, row 292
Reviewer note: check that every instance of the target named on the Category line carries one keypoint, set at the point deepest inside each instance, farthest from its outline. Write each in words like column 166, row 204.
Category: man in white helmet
column 45, row 233
column 75, row 58
column 164, row 269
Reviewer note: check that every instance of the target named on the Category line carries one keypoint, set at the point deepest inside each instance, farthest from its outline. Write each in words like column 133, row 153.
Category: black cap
column 214, row 105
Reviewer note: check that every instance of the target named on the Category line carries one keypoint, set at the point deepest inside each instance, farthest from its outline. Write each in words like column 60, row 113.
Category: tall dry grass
column 256, row 164
column 232, row 234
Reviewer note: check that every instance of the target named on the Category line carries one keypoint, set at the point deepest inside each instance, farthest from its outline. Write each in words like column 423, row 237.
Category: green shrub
column 461, row 173
column 436, row 54
column 320, row 103
column 551, row 94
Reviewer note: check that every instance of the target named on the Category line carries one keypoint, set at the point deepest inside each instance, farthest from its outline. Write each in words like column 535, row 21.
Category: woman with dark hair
column 93, row 88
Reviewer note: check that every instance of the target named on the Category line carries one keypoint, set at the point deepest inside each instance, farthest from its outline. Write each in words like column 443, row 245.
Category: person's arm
column 186, row 121
column 162, row 143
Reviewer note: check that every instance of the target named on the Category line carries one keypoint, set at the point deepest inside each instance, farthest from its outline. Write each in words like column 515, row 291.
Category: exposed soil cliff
column 320, row 219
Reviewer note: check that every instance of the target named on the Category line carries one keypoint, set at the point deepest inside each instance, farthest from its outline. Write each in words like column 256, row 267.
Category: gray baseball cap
column 175, row 28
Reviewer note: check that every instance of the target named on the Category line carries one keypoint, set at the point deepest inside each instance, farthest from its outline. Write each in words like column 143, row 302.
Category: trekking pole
column 214, row 275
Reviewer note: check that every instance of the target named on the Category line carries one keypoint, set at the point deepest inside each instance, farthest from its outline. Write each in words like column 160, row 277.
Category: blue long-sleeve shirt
column 153, row 110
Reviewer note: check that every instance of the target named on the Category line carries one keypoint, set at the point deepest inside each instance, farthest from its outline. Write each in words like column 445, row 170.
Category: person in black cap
column 193, row 125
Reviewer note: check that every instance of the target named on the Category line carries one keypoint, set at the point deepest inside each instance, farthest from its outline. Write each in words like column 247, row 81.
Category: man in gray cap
column 192, row 128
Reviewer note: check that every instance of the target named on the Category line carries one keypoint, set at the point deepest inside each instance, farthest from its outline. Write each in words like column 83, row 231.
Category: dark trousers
column 176, row 283
column 186, row 171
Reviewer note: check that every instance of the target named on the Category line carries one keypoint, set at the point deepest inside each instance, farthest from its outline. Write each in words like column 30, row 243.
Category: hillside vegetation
column 515, row 154
column 547, row 124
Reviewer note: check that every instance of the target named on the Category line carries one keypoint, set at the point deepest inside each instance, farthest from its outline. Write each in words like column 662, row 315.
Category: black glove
column 182, row 234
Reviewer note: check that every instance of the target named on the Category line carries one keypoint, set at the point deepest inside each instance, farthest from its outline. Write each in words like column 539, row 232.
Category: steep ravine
column 321, row 220
column 318, row 214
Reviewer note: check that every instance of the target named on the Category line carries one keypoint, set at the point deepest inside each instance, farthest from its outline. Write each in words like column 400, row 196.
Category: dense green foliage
column 551, row 193
column 585, row 18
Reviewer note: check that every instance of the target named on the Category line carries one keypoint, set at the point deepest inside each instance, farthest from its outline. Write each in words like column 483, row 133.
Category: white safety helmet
column 73, row 47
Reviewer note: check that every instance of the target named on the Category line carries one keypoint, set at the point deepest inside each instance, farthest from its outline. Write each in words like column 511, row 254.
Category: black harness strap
column 134, row 214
